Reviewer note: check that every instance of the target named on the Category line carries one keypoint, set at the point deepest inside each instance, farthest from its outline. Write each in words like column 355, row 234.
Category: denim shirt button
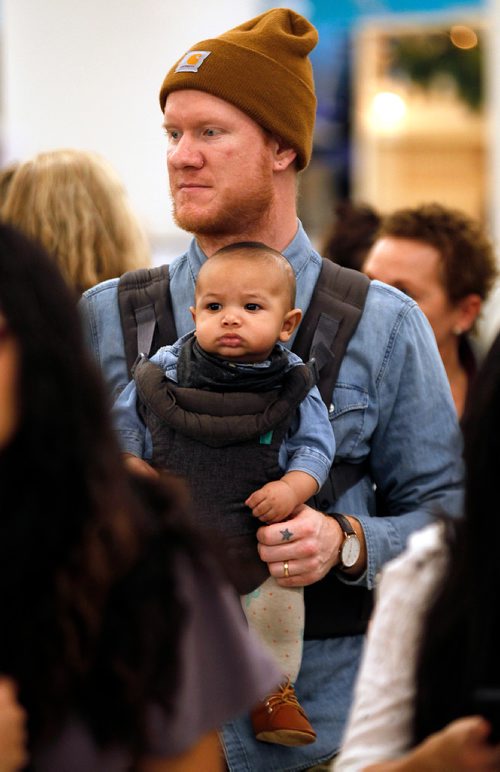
column 331, row 409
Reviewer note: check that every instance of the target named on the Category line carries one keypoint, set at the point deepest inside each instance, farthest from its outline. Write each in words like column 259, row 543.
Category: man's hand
column 461, row 746
column 308, row 545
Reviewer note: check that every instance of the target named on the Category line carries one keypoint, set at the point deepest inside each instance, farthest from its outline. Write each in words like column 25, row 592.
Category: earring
column 457, row 330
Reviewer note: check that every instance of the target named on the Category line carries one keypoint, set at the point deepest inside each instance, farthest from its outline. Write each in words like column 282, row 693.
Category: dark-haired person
column 434, row 638
column 442, row 259
column 351, row 234
column 114, row 616
column 239, row 114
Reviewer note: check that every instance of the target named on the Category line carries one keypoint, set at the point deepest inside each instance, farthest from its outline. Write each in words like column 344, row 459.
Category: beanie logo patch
column 192, row 61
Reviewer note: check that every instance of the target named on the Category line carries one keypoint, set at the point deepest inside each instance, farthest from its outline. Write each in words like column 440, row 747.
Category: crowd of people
column 216, row 476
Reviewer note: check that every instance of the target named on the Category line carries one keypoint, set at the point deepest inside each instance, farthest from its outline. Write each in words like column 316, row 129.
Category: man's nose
column 185, row 153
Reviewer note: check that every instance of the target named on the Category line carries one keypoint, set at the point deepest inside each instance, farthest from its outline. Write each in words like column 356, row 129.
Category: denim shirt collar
column 298, row 253
column 306, row 264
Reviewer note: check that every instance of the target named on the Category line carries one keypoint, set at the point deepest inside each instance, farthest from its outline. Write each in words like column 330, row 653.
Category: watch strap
column 349, row 534
column 344, row 523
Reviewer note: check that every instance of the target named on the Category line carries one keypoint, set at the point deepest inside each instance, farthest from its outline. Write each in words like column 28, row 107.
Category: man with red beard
column 239, row 115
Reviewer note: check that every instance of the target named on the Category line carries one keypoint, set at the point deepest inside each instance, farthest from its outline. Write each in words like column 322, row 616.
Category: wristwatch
column 350, row 548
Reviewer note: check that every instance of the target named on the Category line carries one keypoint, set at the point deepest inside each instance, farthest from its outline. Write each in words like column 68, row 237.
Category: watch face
column 350, row 551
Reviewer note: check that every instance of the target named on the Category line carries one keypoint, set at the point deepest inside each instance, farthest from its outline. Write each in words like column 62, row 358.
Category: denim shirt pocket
column 347, row 414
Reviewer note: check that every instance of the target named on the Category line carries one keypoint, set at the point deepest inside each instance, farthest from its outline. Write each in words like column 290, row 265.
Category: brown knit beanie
column 261, row 67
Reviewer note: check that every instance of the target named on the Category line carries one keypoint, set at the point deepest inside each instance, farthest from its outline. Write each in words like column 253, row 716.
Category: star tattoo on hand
column 286, row 535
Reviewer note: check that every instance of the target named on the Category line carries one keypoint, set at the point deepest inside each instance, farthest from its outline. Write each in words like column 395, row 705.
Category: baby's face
column 242, row 311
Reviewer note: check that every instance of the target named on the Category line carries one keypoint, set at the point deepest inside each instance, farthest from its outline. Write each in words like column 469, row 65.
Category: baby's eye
column 214, row 306
column 252, row 306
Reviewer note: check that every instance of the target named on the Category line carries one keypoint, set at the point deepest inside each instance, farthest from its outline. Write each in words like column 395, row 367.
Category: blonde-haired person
column 6, row 175
column 74, row 204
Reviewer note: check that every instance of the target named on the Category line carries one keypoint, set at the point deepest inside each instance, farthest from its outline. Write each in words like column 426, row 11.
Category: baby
column 238, row 415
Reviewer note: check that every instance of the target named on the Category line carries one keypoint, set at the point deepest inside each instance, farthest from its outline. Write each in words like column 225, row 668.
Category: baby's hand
column 273, row 502
column 138, row 466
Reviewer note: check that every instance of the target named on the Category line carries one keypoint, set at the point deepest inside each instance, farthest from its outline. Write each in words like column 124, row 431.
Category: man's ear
column 284, row 155
column 290, row 324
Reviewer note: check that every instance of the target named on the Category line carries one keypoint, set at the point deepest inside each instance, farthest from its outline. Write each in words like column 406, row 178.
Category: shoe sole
column 288, row 737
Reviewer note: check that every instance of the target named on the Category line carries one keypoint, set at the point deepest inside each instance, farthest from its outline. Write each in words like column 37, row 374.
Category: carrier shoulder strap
column 146, row 312
column 330, row 321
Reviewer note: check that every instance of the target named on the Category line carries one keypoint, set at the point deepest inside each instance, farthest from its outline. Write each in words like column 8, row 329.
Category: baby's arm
column 276, row 500
column 309, row 446
column 310, row 443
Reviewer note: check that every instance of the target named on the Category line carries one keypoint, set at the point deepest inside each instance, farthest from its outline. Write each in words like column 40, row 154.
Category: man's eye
column 214, row 306
column 211, row 132
column 172, row 134
column 252, row 306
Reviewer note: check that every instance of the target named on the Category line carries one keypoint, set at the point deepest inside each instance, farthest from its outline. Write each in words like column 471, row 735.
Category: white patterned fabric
column 380, row 723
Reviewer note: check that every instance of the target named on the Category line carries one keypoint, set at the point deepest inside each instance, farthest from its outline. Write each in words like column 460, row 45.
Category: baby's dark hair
column 257, row 249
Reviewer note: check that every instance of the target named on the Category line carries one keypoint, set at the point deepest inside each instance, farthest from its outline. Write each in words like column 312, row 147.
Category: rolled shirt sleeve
column 409, row 429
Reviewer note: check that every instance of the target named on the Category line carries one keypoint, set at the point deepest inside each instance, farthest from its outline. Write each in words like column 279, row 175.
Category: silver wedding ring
column 285, row 569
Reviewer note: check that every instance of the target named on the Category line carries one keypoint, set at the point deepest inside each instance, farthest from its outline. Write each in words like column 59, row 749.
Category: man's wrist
column 359, row 567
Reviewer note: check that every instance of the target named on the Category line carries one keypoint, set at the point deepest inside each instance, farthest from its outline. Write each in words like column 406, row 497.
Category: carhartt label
column 192, row 61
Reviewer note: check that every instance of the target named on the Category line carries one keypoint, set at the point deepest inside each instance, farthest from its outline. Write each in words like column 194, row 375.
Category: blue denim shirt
column 392, row 402
column 308, row 447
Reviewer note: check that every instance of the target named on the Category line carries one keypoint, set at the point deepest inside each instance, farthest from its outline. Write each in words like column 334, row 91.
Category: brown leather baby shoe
column 281, row 719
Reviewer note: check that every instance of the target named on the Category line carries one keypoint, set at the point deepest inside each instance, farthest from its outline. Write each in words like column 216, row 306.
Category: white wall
column 86, row 73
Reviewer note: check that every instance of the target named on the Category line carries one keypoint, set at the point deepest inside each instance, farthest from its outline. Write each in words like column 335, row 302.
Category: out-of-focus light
column 463, row 37
column 388, row 110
